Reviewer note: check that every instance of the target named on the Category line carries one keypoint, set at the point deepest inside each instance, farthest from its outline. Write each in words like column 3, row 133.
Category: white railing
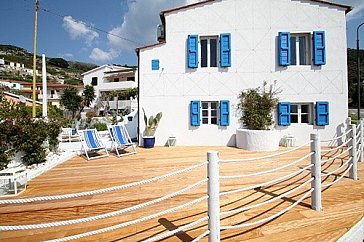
column 349, row 152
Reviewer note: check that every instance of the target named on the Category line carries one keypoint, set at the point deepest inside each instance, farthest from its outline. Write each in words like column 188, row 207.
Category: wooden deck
column 343, row 203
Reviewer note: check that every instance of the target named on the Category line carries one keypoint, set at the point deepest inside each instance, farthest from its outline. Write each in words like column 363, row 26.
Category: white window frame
column 209, row 110
column 308, row 51
column 208, row 38
column 300, row 113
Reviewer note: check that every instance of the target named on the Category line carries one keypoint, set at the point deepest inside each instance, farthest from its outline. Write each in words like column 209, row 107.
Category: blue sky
column 66, row 28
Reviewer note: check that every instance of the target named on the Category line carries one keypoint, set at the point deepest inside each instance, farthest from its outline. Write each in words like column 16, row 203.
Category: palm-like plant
column 88, row 95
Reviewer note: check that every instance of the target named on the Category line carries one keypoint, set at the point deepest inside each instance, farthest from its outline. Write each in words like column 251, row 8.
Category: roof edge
column 347, row 7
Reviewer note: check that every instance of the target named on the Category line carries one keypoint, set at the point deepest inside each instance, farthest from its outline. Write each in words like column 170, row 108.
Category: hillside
column 352, row 77
column 57, row 68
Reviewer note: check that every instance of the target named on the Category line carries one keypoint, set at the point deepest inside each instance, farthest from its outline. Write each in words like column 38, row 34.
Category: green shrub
column 99, row 126
column 257, row 107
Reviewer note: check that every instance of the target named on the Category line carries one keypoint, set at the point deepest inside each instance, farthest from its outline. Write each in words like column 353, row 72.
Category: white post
column 214, row 195
column 316, row 172
column 353, row 154
column 44, row 90
column 361, row 140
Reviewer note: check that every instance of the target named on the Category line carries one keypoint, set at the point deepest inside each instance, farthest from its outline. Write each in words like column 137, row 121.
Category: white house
column 210, row 51
column 107, row 78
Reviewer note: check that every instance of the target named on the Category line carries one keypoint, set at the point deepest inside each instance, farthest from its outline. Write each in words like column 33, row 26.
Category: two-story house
column 210, row 51
column 108, row 78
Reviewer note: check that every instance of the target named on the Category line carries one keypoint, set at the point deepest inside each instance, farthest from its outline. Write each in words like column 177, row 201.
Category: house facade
column 108, row 78
column 213, row 50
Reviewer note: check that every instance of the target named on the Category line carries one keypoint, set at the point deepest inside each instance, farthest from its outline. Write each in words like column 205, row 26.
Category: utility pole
column 36, row 8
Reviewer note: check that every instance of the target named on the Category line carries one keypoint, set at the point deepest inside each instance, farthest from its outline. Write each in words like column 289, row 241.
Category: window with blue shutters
column 192, row 51
column 224, row 113
column 319, row 48
column 195, row 113
column 155, row 65
column 322, row 113
column 284, row 46
column 284, row 113
column 225, row 50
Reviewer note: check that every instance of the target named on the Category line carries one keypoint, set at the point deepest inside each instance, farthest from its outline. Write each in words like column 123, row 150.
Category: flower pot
column 257, row 140
column 149, row 141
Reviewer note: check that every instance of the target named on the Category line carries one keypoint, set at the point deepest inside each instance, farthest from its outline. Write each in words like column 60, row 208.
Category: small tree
column 88, row 95
column 257, row 106
column 71, row 100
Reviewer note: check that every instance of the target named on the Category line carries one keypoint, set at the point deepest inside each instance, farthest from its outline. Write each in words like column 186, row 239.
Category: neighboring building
column 210, row 51
column 54, row 91
column 20, row 67
column 11, row 85
column 107, row 78
column 11, row 97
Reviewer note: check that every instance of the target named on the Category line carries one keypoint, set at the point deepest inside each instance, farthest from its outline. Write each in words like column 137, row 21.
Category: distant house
column 54, row 91
column 212, row 50
column 107, row 78
column 11, row 97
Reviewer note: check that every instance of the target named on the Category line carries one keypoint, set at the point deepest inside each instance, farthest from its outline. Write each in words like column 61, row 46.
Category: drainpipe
column 138, row 96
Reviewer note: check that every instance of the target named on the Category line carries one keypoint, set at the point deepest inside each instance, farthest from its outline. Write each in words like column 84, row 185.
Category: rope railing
column 337, row 147
column 101, row 216
column 337, row 156
column 270, row 217
column 125, row 224
column 103, row 190
column 268, row 182
column 267, row 156
column 175, row 231
column 344, row 173
column 336, row 138
column 269, row 171
column 198, row 238
column 334, row 171
column 239, row 210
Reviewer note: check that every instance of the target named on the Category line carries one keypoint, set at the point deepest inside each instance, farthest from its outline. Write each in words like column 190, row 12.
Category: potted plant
column 151, row 126
column 257, row 106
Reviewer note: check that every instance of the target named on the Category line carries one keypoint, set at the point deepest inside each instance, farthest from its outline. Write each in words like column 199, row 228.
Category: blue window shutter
column 224, row 113
column 192, row 51
column 319, row 48
column 284, row 48
column 284, row 113
column 195, row 113
column 322, row 113
column 155, row 65
column 225, row 50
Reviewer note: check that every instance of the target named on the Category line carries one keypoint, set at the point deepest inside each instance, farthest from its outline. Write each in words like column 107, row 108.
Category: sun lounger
column 91, row 143
column 121, row 140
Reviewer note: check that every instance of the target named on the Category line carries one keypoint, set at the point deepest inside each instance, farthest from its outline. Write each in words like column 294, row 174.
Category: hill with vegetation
column 352, row 77
column 57, row 68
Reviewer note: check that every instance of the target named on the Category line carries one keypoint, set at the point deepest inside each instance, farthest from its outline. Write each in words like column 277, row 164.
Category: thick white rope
column 268, row 182
column 270, row 217
column 198, row 238
column 357, row 136
column 358, row 156
column 175, row 231
column 332, row 172
column 269, row 171
column 125, row 224
column 336, row 156
column 99, row 191
column 336, row 138
column 337, row 147
column 239, row 210
column 101, row 216
column 344, row 173
column 267, row 156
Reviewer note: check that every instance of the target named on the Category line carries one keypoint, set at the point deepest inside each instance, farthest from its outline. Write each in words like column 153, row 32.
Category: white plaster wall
column 254, row 27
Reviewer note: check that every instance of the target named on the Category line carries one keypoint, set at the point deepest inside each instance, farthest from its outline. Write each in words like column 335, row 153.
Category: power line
column 92, row 27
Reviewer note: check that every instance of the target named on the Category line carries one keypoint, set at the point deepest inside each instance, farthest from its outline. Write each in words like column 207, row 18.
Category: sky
column 104, row 31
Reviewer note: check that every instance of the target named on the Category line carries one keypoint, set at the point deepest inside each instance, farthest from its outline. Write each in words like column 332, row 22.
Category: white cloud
column 79, row 30
column 103, row 56
column 140, row 24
